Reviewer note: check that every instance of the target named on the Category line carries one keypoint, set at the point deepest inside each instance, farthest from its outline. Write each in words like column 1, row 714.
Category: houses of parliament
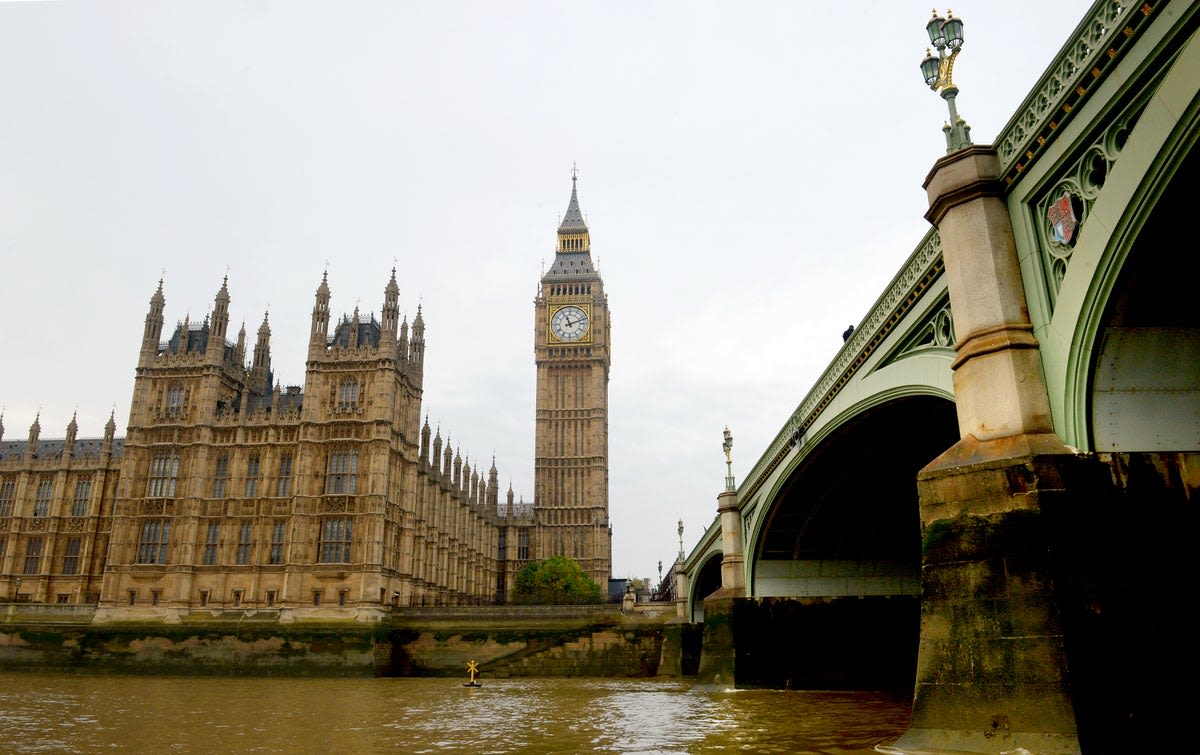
column 229, row 491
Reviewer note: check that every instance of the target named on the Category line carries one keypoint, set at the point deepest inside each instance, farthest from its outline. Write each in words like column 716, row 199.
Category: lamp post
column 680, row 539
column 946, row 35
column 727, row 446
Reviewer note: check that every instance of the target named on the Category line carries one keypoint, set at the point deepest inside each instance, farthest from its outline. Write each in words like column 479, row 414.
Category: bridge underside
column 836, row 576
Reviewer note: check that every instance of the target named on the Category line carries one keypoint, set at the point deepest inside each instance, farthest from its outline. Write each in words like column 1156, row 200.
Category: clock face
column 569, row 323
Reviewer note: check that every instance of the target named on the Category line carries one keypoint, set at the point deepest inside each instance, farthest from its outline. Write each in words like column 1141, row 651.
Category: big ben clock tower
column 571, row 348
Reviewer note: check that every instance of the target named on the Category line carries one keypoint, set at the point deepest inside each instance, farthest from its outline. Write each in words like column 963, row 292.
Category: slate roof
column 573, row 221
column 53, row 448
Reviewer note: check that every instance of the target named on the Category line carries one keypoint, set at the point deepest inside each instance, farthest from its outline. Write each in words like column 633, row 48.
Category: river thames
column 61, row 713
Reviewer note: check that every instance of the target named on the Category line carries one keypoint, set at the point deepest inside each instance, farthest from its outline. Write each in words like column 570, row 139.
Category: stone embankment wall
column 526, row 642
column 223, row 645
column 503, row 641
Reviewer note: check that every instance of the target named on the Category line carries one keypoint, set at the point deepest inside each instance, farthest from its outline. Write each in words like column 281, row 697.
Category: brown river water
column 49, row 713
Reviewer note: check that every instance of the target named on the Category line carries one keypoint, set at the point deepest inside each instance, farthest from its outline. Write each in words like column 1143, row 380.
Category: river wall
column 503, row 642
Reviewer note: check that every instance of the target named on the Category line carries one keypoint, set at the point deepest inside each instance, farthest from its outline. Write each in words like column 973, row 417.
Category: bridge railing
column 1096, row 45
column 923, row 267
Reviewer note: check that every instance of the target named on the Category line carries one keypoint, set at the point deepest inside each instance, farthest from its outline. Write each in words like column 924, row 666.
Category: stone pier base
column 992, row 669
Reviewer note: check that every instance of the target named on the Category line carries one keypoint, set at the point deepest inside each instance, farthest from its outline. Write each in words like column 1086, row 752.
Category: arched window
column 336, row 536
column 221, row 476
column 342, row 473
column 164, row 470
column 41, row 504
column 348, row 394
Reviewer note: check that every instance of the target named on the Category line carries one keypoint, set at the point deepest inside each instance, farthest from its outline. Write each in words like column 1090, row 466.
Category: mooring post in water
column 472, row 669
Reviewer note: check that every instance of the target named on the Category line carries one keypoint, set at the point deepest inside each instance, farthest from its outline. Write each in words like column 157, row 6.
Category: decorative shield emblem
column 1061, row 215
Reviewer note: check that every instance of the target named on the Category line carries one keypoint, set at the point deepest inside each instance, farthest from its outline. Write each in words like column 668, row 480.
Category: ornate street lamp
column 727, row 446
column 946, row 35
column 680, row 539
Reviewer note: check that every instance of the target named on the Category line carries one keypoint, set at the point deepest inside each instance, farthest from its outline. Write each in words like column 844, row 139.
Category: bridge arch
column 706, row 582
column 1120, row 337
column 851, row 496
column 834, row 559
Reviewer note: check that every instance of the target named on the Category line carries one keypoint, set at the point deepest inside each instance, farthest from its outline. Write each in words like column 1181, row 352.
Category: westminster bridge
column 990, row 495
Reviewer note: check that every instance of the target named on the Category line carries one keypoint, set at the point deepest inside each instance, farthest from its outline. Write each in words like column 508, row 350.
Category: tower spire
column 573, row 221
column 260, row 372
column 320, row 317
column 154, row 322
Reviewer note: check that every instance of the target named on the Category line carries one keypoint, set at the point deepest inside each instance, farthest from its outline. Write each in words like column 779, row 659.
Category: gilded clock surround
column 585, row 308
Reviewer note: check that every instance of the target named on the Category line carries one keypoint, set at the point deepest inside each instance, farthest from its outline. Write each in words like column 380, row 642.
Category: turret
column 458, row 463
column 417, row 350
column 447, row 461
column 69, row 441
column 35, row 430
column 260, row 371
column 437, row 452
column 219, row 323
column 425, row 444
column 239, row 351
column 391, row 310
column 352, row 341
column 110, row 432
column 154, row 323
column 320, row 318
column 402, row 344
column 493, row 484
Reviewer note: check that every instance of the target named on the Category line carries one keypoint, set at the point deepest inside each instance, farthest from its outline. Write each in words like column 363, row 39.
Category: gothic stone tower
column 571, row 347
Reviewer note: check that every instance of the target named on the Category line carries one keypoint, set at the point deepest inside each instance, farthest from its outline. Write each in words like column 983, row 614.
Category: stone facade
column 571, row 343
column 231, row 491
column 331, row 499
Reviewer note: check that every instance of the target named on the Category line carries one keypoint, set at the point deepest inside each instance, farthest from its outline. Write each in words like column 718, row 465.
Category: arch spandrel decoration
column 1154, row 134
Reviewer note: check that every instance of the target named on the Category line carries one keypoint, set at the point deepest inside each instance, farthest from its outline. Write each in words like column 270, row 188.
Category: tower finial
column 574, row 172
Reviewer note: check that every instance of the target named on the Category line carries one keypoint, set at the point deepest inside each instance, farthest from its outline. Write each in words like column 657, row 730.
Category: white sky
column 750, row 173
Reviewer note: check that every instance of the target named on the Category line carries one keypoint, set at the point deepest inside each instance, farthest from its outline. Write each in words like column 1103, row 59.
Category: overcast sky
column 750, row 172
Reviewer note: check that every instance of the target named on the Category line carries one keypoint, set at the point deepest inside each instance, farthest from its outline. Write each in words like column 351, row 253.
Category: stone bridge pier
column 992, row 664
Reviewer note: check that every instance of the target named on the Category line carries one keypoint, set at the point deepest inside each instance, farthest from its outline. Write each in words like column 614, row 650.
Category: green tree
column 556, row 581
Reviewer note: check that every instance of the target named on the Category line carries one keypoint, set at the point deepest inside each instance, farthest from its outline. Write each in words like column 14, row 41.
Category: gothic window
column 347, row 394
column 83, row 491
column 221, row 476
column 41, row 504
column 523, row 545
column 503, row 546
column 252, row 472
column 245, row 542
column 164, row 470
column 278, row 537
column 33, row 555
column 174, row 399
column 336, row 534
column 8, row 493
column 342, row 472
column 283, row 487
column 152, row 545
column 211, row 542
column 70, row 564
